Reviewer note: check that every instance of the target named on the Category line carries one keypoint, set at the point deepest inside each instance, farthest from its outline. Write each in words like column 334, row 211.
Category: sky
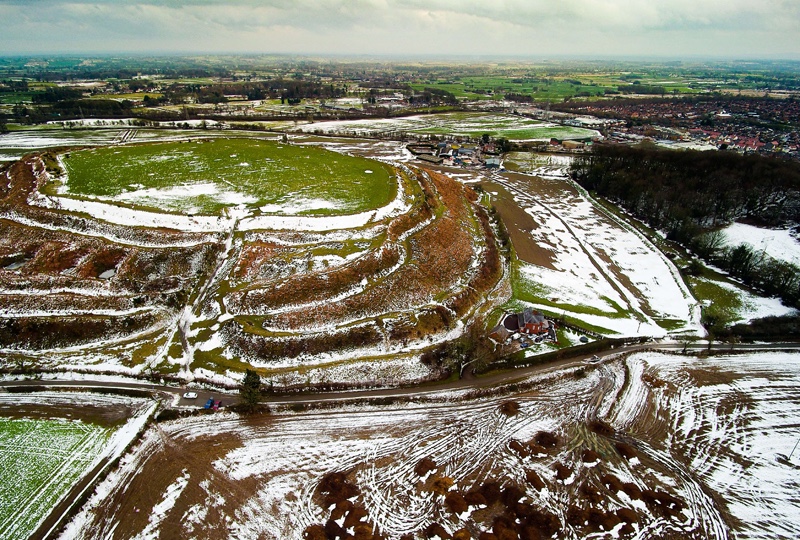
column 535, row 28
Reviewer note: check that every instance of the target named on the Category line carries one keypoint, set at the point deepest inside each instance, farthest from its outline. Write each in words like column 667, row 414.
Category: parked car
column 217, row 405
column 593, row 360
column 209, row 403
column 190, row 395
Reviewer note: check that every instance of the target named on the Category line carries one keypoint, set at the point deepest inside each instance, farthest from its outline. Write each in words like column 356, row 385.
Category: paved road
column 173, row 395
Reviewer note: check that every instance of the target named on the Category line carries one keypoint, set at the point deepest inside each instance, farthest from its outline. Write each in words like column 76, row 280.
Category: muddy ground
column 616, row 450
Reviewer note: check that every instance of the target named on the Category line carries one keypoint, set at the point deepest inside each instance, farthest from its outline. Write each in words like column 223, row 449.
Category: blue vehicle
column 209, row 403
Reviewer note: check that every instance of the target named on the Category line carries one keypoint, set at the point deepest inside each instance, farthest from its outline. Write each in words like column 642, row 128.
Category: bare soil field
column 643, row 446
column 520, row 224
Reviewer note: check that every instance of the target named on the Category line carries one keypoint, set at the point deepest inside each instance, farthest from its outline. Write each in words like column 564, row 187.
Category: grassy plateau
column 208, row 175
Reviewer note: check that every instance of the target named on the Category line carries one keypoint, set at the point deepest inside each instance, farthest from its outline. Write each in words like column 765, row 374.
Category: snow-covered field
column 780, row 244
column 454, row 124
column 729, row 420
column 603, row 272
column 703, row 434
column 749, row 306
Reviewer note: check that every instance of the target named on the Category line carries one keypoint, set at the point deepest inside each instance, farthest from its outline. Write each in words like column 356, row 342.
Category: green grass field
column 469, row 124
column 208, row 175
column 40, row 460
column 510, row 127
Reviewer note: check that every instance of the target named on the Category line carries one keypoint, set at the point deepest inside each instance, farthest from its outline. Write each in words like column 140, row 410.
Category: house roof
column 529, row 316
column 500, row 332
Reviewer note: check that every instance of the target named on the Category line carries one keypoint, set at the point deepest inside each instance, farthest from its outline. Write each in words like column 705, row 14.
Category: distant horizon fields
column 467, row 57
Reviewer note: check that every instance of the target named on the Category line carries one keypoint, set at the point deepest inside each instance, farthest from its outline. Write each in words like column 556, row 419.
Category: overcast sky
column 595, row 28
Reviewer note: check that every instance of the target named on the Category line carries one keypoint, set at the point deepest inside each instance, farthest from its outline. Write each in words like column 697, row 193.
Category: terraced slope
column 127, row 289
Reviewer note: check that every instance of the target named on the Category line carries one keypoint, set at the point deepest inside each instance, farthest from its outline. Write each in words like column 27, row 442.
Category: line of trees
column 752, row 266
column 691, row 195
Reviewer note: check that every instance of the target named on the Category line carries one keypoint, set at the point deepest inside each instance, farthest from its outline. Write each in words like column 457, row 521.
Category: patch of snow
column 780, row 244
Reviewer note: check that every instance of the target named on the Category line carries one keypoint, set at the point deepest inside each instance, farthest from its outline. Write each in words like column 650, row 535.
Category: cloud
column 528, row 27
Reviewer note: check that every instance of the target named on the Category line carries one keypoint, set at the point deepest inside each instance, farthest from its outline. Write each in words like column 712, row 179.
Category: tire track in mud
column 390, row 492
column 705, row 515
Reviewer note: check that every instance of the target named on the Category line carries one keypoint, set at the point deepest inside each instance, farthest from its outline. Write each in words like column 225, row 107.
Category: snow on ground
column 283, row 215
column 600, row 263
column 175, row 194
column 752, row 306
column 297, row 205
column 327, row 223
column 455, row 124
column 67, row 458
column 707, row 431
column 120, row 215
column 100, row 230
column 94, row 122
column 780, row 244
column 731, row 418
column 160, row 511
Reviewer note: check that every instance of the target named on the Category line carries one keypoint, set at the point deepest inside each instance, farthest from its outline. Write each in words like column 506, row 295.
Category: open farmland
column 575, row 260
column 643, row 446
column 515, row 128
column 33, row 479
column 49, row 442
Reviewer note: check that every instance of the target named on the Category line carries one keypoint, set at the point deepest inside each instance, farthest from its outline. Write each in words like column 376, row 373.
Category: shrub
column 509, row 408
column 534, row 480
column 590, row 456
column 456, row 503
column 627, row 451
column 562, row 471
column 546, row 439
column 441, row 484
column 435, row 529
column 336, row 488
column 424, row 466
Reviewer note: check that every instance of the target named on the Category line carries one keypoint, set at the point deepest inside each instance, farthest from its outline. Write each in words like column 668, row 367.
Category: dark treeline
column 518, row 98
column 287, row 90
column 103, row 108
column 433, row 96
column 56, row 94
column 10, row 85
column 637, row 88
column 71, row 108
column 687, row 192
column 690, row 195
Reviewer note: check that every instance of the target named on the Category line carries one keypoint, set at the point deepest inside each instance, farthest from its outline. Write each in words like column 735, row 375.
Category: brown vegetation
column 509, row 408
column 424, row 466
column 546, row 439
column 627, row 451
column 590, row 456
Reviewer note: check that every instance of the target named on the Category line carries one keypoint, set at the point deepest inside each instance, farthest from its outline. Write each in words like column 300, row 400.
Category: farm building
column 530, row 322
column 499, row 334
column 436, row 160
column 492, row 162
column 573, row 145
